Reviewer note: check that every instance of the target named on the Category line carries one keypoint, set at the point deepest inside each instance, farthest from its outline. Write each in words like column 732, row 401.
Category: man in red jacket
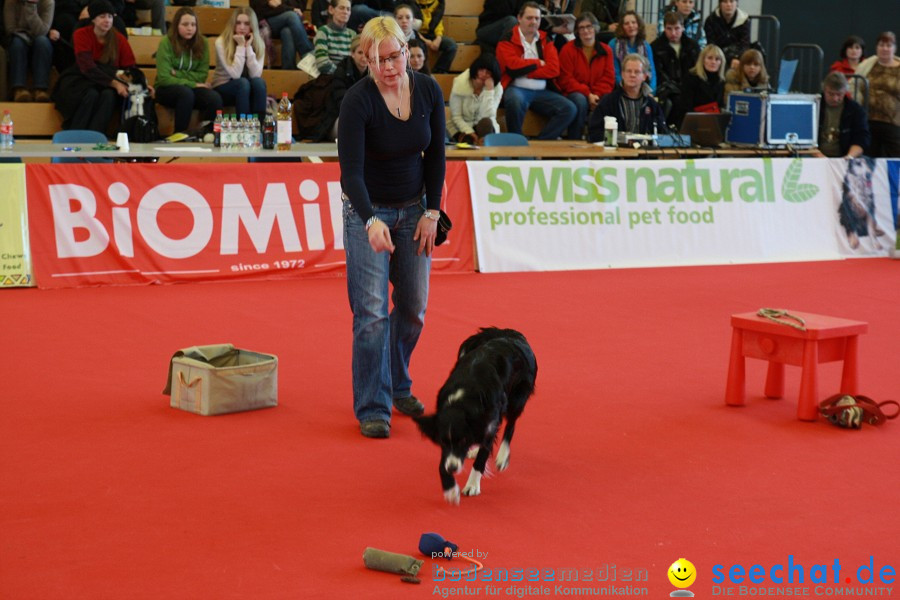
column 529, row 63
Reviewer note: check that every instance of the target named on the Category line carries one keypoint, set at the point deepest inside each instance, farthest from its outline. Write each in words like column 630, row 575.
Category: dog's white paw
column 473, row 486
column 502, row 459
column 473, row 452
column 452, row 496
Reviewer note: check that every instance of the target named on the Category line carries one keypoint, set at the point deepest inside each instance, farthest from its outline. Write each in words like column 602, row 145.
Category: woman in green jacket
column 182, row 69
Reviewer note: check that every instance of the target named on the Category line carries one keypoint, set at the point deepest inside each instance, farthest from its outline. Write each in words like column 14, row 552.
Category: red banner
column 117, row 224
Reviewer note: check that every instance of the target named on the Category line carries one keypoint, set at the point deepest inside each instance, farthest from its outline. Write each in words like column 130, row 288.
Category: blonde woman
column 240, row 53
column 751, row 74
column 703, row 90
column 391, row 148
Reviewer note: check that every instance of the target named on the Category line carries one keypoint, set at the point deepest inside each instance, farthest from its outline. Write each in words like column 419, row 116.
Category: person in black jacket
column 496, row 18
column 843, row 125
column 630, row 103
column 704, row 88
column 728, row 27
column 674, row 55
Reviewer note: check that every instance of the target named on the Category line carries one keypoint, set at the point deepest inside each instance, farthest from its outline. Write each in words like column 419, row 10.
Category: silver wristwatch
column 371, row 221
column 431, row 214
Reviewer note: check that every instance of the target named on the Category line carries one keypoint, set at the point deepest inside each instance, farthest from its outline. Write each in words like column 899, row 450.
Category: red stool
column 825, row 339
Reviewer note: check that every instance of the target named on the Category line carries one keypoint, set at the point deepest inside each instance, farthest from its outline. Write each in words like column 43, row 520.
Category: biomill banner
column 555, row 215
column 15, row 260
column 98, row 224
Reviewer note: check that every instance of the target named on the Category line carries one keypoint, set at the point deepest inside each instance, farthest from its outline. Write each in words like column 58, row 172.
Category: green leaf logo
column 791, row 188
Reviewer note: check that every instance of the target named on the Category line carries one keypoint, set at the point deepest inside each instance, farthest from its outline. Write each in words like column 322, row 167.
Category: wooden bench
column 460, row 28
column 464, row 8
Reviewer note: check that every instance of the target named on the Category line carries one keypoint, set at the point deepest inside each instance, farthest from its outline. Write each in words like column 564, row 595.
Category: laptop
column 706, row 129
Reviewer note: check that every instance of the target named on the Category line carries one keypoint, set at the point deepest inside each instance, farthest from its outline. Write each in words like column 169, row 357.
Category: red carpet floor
column 625, row 460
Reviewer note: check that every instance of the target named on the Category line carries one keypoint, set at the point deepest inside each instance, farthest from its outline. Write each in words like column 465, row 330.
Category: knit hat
column 100, row 7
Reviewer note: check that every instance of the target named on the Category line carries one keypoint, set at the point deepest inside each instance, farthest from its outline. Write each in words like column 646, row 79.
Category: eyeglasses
column 585, row 28
column 391, row 58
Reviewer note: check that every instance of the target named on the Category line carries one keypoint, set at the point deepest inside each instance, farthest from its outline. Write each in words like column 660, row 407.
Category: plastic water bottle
column 6, row 131
column 257, row 132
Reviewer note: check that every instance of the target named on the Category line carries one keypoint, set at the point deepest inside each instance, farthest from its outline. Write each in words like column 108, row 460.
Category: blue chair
column 85, row 137
column 505, row 139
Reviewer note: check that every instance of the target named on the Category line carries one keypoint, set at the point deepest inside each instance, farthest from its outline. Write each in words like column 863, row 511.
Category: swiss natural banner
column 597, row 214
column 97, row 224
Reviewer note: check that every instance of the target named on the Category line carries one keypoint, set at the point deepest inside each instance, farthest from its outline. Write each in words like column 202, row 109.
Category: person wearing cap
column 88, row 94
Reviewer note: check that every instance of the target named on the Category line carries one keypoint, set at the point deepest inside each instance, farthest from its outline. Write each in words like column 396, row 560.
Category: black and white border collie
column 493, row 378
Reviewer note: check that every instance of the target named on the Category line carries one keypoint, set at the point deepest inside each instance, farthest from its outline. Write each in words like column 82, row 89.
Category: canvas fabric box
column 219, row 379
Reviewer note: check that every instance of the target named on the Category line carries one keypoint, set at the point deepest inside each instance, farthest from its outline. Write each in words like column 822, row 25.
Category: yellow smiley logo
column 682, row 573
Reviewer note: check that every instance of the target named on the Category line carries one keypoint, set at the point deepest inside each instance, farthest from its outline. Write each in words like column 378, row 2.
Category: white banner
column 560, row 215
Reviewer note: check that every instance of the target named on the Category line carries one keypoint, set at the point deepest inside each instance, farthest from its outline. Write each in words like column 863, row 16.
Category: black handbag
column 444, row 226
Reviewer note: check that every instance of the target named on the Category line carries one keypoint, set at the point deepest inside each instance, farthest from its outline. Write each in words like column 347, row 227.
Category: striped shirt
column 332, row 45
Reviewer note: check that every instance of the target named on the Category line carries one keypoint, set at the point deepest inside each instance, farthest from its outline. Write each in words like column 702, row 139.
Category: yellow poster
column 15, row 255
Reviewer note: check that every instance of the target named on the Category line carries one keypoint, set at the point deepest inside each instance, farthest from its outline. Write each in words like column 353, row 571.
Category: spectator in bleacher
column 496, row 18
column 157, row 10
column 528, row 64
column 630, row 103
column 182, row 70
column 350, row 70
column 728, row 27
column 751, row 74
column 853, row 50
column 704, row 88
column 560, row 35
column 417, row 56
column 240, row 53
column 69, row 15
column 674, row 55
column 843, row 129
column 432, row 33
column 405, row 16
column 4, row 91
column 26, row 24
column 586, row 71
column 474, row 100
column 87, row 94
column 691, row 20
column 606, row 12
column 631, row 39
column 333, row 39
column 285, row 19
column 883, row 72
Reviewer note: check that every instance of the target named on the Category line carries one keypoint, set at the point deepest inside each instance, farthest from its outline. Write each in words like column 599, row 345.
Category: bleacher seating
column 41, row 120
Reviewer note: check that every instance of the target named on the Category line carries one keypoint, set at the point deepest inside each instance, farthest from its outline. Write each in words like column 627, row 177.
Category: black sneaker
column 376, row 428
column 409, row 406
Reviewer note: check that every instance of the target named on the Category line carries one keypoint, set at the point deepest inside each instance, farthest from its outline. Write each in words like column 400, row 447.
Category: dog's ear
column 428, row 425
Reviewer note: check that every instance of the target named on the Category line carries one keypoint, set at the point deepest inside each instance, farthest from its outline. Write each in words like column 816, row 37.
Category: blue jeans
column 582, row 105
column 557, row 108
column 41, row 54
column 360, row 15
column 247, row 95
column 289, row 28
column 383, row 343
